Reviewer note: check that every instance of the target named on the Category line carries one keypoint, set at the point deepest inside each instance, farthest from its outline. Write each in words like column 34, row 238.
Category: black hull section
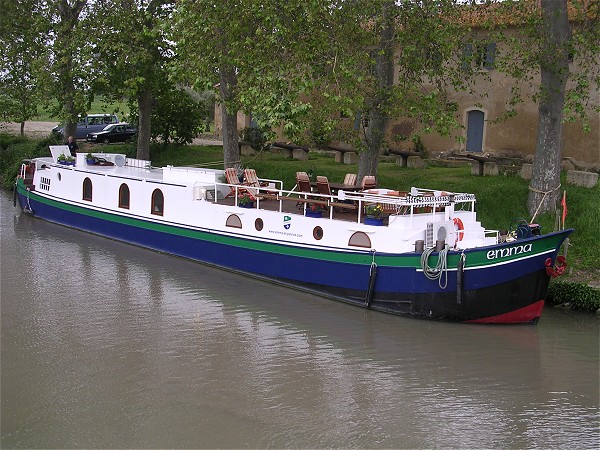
column 510, row 302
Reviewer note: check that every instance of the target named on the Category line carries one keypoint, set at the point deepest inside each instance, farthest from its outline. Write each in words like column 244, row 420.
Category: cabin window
column 360, row 239
column 87, row 189
column 233, row 221
column 258, row 224
column 124, row 196
column 158, row 202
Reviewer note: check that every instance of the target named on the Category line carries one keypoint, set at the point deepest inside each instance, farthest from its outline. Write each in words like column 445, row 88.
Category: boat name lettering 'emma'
column 421, row 253
column 505, row 252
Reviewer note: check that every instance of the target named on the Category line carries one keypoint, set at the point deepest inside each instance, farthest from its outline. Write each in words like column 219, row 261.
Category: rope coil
column 440, row 270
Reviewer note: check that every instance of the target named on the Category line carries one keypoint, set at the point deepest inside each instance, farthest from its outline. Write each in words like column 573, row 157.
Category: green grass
column 99, row 105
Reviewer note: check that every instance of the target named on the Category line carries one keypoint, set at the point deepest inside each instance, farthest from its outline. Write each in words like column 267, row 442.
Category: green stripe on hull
column 476, row 258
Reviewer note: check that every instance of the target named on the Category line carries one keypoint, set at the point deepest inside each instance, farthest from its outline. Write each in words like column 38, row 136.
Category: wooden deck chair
column 323, row 185
column 350, row 178
column 262, row 187
column 303, row 182
column 232, row 179
column 368, row 182
column 251, row 179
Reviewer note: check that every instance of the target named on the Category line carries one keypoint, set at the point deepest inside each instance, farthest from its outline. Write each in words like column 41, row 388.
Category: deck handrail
column 403, row 205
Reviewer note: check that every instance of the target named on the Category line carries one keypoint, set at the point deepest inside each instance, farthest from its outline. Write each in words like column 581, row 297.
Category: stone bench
column 344, row 154
column 581, row 178
column 483, row 165
column 290, row 150
column 407, row 158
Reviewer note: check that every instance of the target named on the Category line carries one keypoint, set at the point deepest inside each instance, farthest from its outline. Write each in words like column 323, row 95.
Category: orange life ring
column 460, row 226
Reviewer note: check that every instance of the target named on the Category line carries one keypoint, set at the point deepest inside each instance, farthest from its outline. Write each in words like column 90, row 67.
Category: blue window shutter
column 490, row 55
column 467, row 55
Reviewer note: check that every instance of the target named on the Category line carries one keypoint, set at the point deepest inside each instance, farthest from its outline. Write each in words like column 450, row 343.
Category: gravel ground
column 43, row 129
column 32, row 129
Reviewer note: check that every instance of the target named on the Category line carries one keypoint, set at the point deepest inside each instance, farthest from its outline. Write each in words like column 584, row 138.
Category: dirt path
column 42, row 129
column 32, row 129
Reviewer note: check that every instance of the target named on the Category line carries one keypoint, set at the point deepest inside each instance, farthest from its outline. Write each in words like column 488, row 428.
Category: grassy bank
column 500, row 200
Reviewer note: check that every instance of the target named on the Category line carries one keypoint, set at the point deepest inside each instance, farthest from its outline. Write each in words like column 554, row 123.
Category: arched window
column 360, row 239
column 233, row 221
column 87, row 189
column 124, row 196
column 158, row 202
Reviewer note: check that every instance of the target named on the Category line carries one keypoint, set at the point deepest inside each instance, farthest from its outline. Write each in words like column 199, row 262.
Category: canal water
column 105, row 345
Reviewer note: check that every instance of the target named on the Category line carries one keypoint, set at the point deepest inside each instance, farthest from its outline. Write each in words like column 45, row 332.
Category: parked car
column 89, row 124
column 116, row 132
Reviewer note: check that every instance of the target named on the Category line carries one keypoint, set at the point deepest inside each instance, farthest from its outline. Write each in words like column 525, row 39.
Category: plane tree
column 23, row 56
column 132, row 53
column 324, row 70
column 65, row 78
column 550, row 50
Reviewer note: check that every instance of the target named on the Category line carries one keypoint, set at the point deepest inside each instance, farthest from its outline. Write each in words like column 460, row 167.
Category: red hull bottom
column 529, row 314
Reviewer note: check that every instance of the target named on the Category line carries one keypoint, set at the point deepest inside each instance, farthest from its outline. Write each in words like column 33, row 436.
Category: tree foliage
column 23, row 56
column 551, row 53
column 177, row 116
column 132, row 55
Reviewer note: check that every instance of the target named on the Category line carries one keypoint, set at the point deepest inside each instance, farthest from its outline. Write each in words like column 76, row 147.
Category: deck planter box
column 376, row 221
column 316, row 214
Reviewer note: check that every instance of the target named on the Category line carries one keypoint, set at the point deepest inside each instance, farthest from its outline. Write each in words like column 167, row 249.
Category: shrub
column 255, row 137
column 577, row 295
column 14, row 149
column 6, row 140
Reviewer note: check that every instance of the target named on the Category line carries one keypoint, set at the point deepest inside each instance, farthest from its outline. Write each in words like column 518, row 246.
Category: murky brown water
column 108, row 345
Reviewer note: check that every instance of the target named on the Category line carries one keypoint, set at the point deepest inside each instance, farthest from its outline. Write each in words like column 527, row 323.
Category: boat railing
column 140, row 163
column 417, row 202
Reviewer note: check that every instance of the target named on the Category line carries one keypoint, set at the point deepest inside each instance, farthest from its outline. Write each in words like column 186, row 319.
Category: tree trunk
column 144, row 124
column 554, row 66
column 369, row 157
column 70, row 128
column 22, row 128
column 231, row 150
column 69, row 16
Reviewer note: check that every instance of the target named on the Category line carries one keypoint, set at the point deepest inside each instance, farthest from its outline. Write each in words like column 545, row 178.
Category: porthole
column 318, row 233
column 258, row 224
column 59, row 177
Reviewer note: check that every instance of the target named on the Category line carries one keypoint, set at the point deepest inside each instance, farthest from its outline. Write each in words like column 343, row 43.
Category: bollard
column 439, row 245
column 419, row 246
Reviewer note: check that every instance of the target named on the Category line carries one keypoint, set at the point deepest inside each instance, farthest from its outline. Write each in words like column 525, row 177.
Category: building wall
column 514, row 135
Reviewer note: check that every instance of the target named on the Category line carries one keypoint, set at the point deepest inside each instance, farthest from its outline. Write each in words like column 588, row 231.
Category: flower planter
column 376, row 221
column 91, row 161
column 316, row 214
column 66, row 163
column 246, row 205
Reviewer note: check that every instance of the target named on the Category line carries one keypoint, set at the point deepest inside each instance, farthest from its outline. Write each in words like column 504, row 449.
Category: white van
column 90, row 124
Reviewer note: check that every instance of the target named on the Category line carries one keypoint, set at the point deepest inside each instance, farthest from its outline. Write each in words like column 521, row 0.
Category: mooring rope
column 440, row 269
column 546, row 193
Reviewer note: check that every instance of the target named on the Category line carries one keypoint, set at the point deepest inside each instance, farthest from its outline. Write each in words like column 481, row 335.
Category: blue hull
column 486, row 294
